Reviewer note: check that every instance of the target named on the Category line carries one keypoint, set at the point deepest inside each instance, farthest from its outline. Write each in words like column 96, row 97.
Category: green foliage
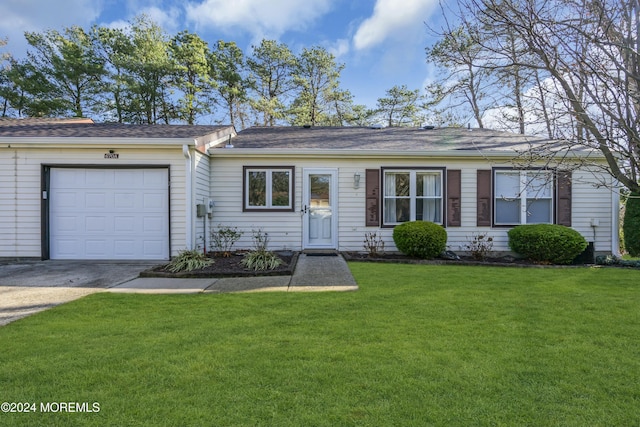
column 316, row 76
column 188, row 261
column 260, row 258
column 631, row 225
column 400, row 106
column 547, row 243
column 224, row 238
column 422, row 239
column 270, row 68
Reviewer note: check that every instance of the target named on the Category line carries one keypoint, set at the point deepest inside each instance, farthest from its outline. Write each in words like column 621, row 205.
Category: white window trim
column 269, row 188
column 525, row 177
column 412, row 193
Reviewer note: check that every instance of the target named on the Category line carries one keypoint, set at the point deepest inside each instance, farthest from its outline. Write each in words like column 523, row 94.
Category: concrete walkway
column 312, row 274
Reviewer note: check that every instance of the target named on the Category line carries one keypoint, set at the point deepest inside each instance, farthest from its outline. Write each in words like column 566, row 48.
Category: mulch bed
column 228, row 267
column 506, row 261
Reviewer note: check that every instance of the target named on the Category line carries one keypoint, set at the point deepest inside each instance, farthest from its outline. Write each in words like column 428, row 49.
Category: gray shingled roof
column 29, row 128
column 387, row 139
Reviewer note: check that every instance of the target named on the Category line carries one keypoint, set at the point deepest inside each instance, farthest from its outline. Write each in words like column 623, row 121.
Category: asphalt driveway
column 29, row 287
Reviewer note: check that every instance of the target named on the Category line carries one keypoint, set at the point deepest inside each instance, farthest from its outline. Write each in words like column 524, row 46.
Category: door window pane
column 320, row 190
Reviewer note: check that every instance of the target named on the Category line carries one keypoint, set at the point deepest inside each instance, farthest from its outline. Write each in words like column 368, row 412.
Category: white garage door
column 109, row 214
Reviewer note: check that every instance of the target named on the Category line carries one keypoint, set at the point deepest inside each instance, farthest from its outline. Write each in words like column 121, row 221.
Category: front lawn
column 416, row 345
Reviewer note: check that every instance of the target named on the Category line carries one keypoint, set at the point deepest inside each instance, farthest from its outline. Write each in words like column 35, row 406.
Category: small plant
column 188, row 261
column 480, row 246
column 224, row 238
column 547, row 243
column 373, row 244
column 422, row 239
column 259, row 258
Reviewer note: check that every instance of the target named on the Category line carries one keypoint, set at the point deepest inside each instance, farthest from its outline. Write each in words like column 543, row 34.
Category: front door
column 319, row 207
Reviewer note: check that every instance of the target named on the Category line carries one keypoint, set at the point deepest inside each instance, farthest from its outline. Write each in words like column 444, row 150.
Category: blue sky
column 381, row 42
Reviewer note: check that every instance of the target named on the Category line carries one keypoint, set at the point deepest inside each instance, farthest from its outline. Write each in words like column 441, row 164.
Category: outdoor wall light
column 356, row 180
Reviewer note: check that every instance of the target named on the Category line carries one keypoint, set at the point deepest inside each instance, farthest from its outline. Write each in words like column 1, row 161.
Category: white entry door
column 109, row 214
column 319, row 207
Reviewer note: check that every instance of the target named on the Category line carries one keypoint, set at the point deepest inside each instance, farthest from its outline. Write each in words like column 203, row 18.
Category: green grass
column 416, row 345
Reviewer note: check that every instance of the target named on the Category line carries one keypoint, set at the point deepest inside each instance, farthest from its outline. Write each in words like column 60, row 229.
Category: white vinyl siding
column 202, row 177
column 285, row 228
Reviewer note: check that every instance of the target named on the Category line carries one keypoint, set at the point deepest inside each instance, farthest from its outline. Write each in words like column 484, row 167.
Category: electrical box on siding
column 201, row 210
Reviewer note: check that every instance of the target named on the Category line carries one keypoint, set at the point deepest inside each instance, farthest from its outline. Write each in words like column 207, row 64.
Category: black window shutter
column 454, row 192
column 484, row 198
column 372, row 215
column 563, row 202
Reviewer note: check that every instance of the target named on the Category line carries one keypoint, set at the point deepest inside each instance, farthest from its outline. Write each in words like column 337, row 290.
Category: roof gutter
column 342, row 153
column 38, row 142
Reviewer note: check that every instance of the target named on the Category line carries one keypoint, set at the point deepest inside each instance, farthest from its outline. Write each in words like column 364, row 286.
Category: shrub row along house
column 74, row 189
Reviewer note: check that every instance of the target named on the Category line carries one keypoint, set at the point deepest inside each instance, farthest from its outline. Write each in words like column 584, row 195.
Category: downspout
column 188, row 197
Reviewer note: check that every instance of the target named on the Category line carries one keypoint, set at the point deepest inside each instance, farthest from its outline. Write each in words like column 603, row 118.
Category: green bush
column 631, row 225
column 422, row 239
column 547, row 243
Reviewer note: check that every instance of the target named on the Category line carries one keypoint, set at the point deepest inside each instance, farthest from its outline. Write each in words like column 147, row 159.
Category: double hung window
column 523, row 197
column 412, row 195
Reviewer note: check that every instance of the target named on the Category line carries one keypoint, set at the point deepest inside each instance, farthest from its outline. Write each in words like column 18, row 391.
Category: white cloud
column 339, row 48
column 167, row 18
column 18, row 16
column 257, row 17
column 392, row 19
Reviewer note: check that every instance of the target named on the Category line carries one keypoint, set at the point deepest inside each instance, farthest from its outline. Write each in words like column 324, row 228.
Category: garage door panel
column 64, row 199
column 124, row 224
column 69, row 224
column 152, row 248
column 95, row 200
column 122, row 219
column 153, row 224
column 96, row 224
column 96, row 178
column 154, row 201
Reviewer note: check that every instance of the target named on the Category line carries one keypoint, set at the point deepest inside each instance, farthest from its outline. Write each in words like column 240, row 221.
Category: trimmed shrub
column 421, row 239
column 547, row 243
column 631, row 225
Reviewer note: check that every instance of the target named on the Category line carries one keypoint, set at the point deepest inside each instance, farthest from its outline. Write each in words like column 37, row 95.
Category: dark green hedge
column 631, row 225
column 420, row 239
column 549, row 243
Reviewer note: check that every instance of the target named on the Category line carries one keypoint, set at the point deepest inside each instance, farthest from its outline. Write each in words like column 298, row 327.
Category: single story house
column 82, row 190
column 326, row 187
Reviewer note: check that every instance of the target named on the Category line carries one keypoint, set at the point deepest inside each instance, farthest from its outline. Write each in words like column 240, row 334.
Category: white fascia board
column 444, row 154
column 30, row 142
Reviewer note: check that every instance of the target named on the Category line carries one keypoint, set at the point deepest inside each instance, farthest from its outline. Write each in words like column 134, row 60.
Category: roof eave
column 56, row 142
column 363, row 153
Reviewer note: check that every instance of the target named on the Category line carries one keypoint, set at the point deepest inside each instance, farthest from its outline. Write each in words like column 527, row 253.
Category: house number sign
column 111, row 155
